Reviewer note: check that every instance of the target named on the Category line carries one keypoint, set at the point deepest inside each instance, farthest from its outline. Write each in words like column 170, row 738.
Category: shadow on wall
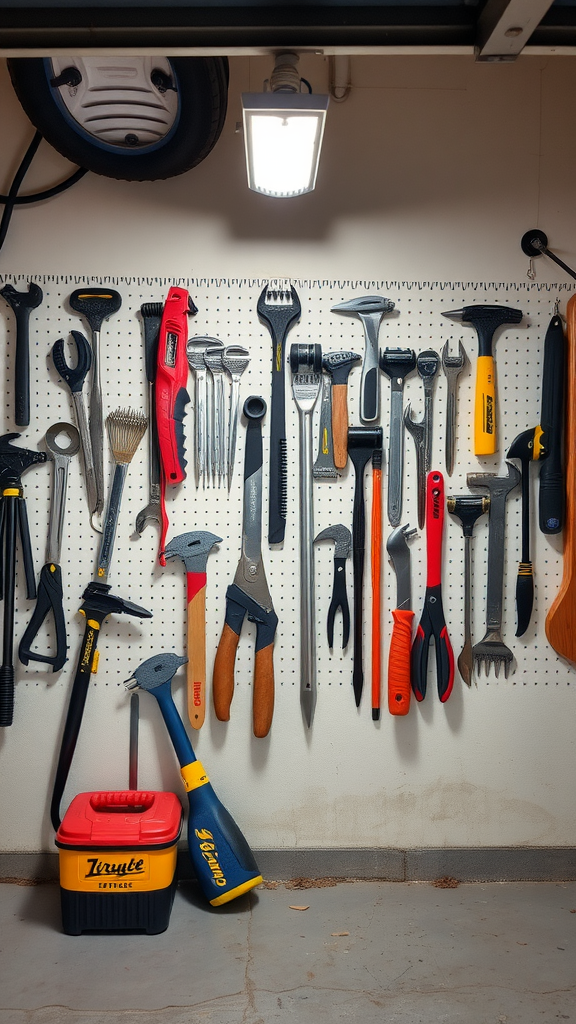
column 369, row 166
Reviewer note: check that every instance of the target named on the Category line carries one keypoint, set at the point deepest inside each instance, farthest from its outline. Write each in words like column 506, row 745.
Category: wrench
column 217, row 438
column 195, row 350
column 452, row 366
column 50, row 585
column 418, row 430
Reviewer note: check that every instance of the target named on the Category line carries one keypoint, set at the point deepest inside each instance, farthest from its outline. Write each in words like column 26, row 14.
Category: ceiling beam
column 505, row 26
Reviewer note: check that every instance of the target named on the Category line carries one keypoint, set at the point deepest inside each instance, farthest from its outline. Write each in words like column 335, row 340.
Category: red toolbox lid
column 126, row 818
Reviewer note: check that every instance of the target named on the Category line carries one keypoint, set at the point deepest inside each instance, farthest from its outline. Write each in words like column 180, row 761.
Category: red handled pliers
column 432, row 622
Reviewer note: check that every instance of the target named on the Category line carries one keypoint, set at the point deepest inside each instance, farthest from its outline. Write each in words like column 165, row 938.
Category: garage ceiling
column 493, row 29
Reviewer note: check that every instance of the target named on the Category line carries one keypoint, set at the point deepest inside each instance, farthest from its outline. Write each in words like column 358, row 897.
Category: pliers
column 432, row 623
column 74, row 377
column 249, row 594
column 343, row 545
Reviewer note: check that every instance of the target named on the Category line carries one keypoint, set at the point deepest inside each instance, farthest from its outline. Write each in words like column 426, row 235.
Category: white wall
column 431, row 172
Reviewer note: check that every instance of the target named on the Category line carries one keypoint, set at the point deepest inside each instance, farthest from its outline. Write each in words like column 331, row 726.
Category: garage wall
column 431, row 172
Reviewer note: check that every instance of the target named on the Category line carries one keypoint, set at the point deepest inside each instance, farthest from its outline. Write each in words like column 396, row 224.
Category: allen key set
column 293, row 381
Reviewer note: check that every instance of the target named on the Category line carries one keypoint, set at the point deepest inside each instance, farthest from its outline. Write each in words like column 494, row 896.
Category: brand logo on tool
column 197, row 688
column 436, row 503
column 489, row 426
column 210, row 854
column 120, row 868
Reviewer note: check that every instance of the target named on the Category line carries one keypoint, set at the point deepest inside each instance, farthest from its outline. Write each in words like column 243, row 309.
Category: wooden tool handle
column 561, row 619
column 196, row 671
column 223, row 678
column 340, row 424
column 263, row 697
column 399, row 662
column 485, row 407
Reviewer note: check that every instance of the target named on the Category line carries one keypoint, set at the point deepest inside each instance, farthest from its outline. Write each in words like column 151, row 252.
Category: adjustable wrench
column 427, row 364
column 452, row 366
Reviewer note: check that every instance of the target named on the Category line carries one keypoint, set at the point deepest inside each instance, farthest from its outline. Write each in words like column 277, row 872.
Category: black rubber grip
column 370, row 393
column 182, row 399
column 551, row 496
column 49, row 599
column 6, row 694
column 22, row 368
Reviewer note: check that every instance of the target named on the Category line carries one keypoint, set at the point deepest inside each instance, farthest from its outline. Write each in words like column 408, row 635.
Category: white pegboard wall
column 227, row 310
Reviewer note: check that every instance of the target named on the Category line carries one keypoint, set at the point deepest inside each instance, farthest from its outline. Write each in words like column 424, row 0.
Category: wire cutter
column 432, row 623
column 249, row 594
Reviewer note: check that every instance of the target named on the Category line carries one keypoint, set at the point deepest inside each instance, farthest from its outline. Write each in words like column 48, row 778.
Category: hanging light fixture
column 283, row 131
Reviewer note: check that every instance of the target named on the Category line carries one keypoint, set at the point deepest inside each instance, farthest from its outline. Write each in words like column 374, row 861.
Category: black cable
column 13, row 199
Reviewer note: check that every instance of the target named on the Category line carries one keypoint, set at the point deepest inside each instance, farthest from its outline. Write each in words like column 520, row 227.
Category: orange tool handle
column 376, row 565
column 399, row 688
column 263, row 695
column 340, row 424
column 223, row 678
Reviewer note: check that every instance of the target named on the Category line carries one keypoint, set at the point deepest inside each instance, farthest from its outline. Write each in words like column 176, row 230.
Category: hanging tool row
column 169, row 355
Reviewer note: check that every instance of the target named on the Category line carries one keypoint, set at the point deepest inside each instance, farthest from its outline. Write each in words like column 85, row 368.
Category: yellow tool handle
column 485, row 407
column 196, row 673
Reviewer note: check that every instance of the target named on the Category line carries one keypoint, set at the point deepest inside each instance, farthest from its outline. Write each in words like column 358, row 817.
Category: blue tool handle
column 223, row 862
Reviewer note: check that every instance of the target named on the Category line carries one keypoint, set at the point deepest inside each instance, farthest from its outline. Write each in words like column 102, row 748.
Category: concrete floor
column 484, row 953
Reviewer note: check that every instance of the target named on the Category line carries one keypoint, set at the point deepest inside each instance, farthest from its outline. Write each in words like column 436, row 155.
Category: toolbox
column 117, row 855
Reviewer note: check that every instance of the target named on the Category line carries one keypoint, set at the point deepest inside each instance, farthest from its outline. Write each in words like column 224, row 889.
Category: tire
column 203, row 94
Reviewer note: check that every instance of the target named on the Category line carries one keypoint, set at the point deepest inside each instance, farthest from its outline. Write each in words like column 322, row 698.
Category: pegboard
column 227, row 310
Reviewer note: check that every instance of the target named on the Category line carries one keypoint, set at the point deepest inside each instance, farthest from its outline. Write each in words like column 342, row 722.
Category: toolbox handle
column 119, row 800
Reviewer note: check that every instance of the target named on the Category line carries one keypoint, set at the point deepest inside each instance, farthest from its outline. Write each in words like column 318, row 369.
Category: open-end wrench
column 428, row 365
column 418, row 430
column 195, row 350
column 217, row 441
column 235, row 359
column 452, row 366
column 22, row 303
column 50, row 595
column 397, row 364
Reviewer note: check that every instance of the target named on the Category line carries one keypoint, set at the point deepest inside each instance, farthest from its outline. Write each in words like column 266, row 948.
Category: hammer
column 22, row 303
column 194, row 548
column 486, row 320
column 338, row 366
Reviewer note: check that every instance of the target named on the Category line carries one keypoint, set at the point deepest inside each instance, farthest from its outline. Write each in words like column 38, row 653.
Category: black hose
column 13, row 199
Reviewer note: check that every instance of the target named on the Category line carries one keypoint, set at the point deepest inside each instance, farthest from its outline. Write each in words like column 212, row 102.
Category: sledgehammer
column 193, row 549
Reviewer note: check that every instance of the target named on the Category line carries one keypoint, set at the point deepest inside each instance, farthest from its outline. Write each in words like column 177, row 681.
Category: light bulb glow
column 283, row 136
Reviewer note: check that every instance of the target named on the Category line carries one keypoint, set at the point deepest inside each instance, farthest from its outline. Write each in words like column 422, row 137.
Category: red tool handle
column 399, row 688
column 171, row 378
column 434, row 527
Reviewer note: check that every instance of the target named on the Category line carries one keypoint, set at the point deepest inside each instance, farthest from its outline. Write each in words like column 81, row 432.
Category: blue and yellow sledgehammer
column 223, row 862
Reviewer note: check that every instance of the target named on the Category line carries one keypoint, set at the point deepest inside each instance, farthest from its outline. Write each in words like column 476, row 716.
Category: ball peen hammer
column 194, row 548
